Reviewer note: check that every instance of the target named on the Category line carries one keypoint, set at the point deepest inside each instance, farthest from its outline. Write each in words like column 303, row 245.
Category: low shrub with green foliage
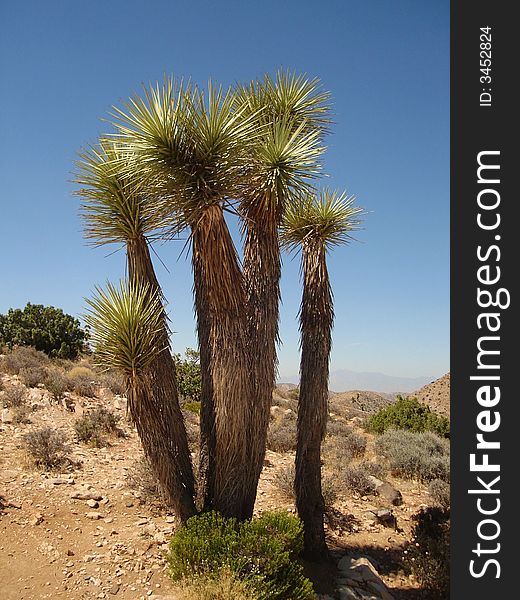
column 45, row 328
column 47, row 447
column 94, row 425
column 428, row 556
column 409, row 414
column 193, row 407
column 261, row 553
column 423, row 456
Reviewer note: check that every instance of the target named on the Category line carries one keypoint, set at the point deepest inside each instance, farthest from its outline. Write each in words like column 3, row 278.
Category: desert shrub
column 284, row 481
column 21, row 415
column 32, row 376
column 45, row 328
column 22, row 358
column 262, row 553
column 142, row 478
column 440, row 493
column 282, row 437
column 428, row 556
column 82, row 381
column 356, row 479
column 343, row 443
column 193, row 406
column 189, row 382
column 226, row 586
column 14, row 396
column 94, row 425
column 57, row 384
column 411, row 415
column 424, row 456
column 376, row 469
column 47, row 447
column 114, row 381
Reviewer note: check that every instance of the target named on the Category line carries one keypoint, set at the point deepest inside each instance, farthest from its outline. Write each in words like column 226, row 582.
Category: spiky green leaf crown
column 126, row 323
column 117, row 206
column 327, row 218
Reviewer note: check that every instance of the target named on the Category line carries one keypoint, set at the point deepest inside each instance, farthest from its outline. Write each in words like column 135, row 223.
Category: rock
column 386, row 491
column 36, row 519
column 94, row 515
column 386, row 518
column 69, row 553
column 114, row 589
column 363, row 572
column 160, row 538
column 7, row 416
column 62, row 481
column 86, row 496
column 92, row 503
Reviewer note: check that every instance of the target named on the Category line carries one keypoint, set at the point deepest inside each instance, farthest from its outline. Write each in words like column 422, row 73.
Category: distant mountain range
column 344, row 379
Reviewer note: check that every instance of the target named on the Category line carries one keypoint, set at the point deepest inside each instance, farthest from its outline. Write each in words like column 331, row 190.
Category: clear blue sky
column 64, row 63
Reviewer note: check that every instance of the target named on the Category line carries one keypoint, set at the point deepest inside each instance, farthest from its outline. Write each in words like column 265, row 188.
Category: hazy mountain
column 377, row 382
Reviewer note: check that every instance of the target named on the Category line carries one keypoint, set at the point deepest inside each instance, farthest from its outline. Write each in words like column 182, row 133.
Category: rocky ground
column 85, row 534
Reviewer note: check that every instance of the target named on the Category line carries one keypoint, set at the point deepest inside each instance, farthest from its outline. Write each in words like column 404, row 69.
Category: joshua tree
column 117, row 209
column 193, row 151
column 315, row 224
column 292, row 113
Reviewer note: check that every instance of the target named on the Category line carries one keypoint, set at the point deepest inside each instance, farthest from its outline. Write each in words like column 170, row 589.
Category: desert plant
column 189, row 380
column 57, row 384
column 14, row 396
column 21, row 357
column 315, row 224
column 428, row 555
column 47, row 447
column 114, row 381
column 45, row 328
column 262, row 553
column 409, row 414
column 377, row 469
column 283, row 480
column 343, row 442
column 424, row 456
column 281, row 436
column 225, row 586
column 440, row 493
column 356, row 479
column 32, row 376
column 142, row 478
column 128, row 333
column 94, row 425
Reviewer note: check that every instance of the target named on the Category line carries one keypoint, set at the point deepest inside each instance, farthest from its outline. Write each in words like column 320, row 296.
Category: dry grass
column 225, row 586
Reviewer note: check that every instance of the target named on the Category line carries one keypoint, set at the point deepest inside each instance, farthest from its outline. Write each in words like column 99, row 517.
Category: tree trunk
column 262, row 271
column 316, row 317
column 155, row 407
column 225, row 412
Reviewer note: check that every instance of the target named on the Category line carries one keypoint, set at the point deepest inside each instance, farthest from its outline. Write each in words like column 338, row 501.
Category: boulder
column 386, row 491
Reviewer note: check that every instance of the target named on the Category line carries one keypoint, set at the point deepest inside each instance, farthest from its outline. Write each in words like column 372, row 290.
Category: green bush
column 189, row 382
column 92, row 426
column 262, row 553
column 193, row 406
column 428, row 556
column 409, row 414
column 424, row 456
column 45, row 328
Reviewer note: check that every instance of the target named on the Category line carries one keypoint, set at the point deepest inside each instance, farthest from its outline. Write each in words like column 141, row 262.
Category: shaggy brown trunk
column 220, row 304
column 262, row 271
column 316, row 318
column 154, row 406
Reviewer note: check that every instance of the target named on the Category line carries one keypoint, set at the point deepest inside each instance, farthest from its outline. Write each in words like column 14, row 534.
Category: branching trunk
column 225, row 412
column 155, row 408
column 316, row 318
